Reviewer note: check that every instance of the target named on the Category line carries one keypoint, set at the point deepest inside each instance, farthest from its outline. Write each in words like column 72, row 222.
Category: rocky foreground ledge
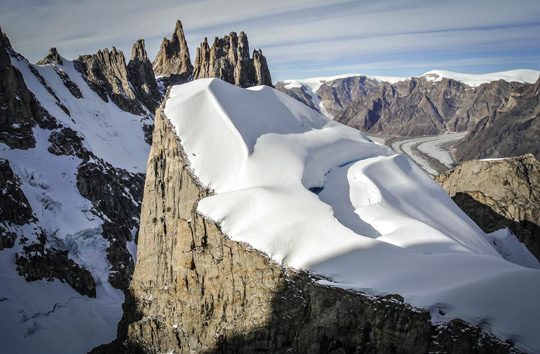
column 195, row 290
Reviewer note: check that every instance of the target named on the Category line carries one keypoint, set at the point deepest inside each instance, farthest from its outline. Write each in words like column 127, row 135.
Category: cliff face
column 498, row 194
column 228, row 59
column 195, row 290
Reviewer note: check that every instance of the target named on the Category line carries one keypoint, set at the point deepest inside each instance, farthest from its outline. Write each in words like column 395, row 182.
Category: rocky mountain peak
column 228, row 59
column 142, row 76
column 138, row 52
column 172, row 59
column 52, row 57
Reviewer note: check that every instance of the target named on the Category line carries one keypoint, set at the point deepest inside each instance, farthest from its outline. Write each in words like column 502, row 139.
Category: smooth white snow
column 317, row 195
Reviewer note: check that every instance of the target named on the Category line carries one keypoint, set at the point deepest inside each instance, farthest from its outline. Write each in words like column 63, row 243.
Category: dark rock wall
column 19, row 110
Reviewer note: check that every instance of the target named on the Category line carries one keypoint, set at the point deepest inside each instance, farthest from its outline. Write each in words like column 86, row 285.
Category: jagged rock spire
column 228, row 59
column 172, row 59
column 52, row 57
column 142, row 76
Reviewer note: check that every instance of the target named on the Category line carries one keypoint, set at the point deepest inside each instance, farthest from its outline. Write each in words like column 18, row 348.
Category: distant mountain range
column 437, row 102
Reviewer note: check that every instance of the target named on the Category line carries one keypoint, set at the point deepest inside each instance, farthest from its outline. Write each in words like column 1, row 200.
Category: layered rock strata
column 499, row 193
column 172, row 61
column 512, row 130
column 195, row 290
column 228, row 59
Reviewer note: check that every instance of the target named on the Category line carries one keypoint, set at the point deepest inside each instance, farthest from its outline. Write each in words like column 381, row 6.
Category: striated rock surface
column 499, row 193
column 511, row 130
column 228, row 59
column 195, row 290
column 172, row 60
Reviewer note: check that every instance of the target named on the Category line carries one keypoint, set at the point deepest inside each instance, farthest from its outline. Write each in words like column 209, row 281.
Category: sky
column 300, row 38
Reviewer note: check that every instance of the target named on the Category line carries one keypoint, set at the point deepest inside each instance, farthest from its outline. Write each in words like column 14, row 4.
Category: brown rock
column 173, row 60
column 498, row 194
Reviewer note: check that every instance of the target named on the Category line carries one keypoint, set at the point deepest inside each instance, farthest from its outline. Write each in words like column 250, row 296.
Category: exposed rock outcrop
column 52, row 57
column 195, row 290
column 512, row 130
column 37, row 261
column 116, row 195
column 228, row 59
column 19, row 110
column 142, row 77
column 14, row 206
column 172, row 60
column 498, row 194
column 106, row 73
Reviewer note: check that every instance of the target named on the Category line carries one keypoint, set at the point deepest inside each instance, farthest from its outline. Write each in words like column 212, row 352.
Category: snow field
column 317, row 195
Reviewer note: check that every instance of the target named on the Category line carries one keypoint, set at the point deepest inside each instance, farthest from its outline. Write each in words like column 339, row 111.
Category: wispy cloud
column 315, row 35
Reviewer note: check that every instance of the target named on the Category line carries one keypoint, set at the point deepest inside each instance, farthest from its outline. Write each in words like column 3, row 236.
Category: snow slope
column 51, row 317
column 317, row 195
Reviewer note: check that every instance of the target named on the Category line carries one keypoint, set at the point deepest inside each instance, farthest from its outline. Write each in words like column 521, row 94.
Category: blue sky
column 300, row 38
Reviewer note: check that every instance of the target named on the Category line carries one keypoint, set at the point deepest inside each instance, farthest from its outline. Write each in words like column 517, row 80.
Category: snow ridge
column 317, row 195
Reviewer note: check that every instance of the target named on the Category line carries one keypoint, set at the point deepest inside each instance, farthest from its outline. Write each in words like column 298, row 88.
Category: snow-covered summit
column 317, row 195
column 519, row 75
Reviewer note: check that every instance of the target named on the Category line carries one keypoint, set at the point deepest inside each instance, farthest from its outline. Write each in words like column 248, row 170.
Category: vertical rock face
column 498, row 194
column 142, row 77
column 172, row 59
column 195, row 290
column 228, row 59
column 19, row 109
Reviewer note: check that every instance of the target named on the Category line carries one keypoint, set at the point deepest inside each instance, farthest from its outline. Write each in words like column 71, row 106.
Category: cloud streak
column 299, row 35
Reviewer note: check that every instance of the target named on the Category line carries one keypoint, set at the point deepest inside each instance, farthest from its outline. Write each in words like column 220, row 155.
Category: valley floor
column 431, row 153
